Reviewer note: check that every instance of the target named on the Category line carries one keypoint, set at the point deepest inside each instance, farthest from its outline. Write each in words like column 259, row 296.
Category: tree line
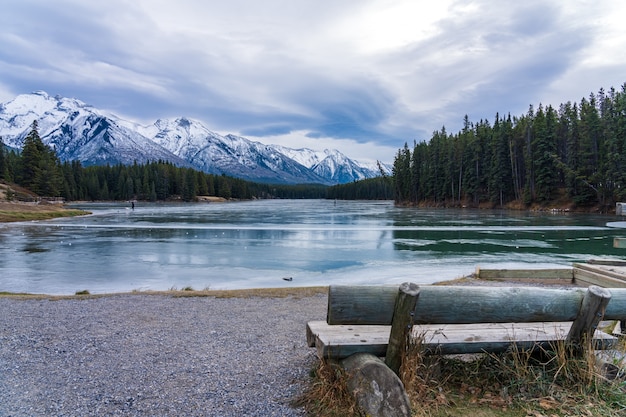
column 576, row 152
column 379, row 188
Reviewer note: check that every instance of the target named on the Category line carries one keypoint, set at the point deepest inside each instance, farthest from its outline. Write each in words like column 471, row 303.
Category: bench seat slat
column 340, row 341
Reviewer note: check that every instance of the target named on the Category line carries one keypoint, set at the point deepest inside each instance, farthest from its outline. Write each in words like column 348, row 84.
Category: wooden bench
column 462, row 319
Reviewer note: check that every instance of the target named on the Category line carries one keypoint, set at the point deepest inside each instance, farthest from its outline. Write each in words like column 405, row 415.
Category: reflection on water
column 257, row 243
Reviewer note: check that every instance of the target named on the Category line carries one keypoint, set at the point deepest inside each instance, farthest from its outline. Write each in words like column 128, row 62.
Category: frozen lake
column 259, row 243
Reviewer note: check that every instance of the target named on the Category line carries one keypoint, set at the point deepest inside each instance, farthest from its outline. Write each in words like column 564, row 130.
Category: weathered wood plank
column 525, row 274
column 455, row 304
column 607, row 262
column 585, row 276
column 373, row 305
column 498, row 337
column 339, row 341
column 613, row 271
column 616, row 309
column 591, row 312
column 401, row 325
column 310, row 336
column 459, row 305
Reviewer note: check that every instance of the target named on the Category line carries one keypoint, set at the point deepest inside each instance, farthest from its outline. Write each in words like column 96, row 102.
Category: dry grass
column 298, row 292
column 535, row 383
column 328, row 394
column 295, row 292
column 518, row 383
column 16, row 212
column 20, row 211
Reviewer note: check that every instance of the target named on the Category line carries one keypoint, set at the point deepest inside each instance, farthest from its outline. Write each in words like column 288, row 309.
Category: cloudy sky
column 362, row 76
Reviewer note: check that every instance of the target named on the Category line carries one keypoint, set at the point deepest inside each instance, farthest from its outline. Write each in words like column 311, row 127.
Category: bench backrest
column 465, row 304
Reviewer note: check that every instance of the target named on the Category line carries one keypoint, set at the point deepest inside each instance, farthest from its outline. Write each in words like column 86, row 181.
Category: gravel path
column 154, row 355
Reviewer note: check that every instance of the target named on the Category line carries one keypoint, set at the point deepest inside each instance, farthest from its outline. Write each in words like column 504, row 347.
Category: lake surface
column 260, row 243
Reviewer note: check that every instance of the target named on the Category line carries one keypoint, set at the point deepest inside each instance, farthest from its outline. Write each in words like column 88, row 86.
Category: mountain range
column 77, row 131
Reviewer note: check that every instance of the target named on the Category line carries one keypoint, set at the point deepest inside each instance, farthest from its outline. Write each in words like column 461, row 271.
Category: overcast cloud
column 360, row 76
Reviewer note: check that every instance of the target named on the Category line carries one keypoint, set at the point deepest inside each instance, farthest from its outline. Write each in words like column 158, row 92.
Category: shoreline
column 278, row 292
column 11, row 212
column 270, row 292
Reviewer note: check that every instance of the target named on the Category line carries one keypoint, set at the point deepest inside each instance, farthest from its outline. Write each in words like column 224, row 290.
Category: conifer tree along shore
column 574, row 154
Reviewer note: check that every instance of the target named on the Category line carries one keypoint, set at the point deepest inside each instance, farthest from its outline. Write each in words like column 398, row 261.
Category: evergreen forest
column 574, row 154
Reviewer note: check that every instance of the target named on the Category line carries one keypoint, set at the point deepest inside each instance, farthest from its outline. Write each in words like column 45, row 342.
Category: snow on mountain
column 333, row 165
column 16, row 116
column 305, row 156
column 97, row 140
column 78, row 131
column 232, row 155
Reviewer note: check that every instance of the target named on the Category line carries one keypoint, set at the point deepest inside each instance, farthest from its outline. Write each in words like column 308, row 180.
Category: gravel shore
column 155, row 355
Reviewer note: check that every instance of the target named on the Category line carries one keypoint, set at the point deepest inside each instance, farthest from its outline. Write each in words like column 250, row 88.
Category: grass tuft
column 538, row 382
column 328, row 394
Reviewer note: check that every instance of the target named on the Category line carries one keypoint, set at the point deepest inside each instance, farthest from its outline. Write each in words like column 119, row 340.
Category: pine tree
column 500, row 181
column 473, row 157
column 402, row 174
column 41, row 169
column 543, row 153
column 418, row 166
column 3, row 161
column 620, row 143
column 588, row 152
column 516, row 153
column 189, row 191
column 32, row 156
column 482, row 160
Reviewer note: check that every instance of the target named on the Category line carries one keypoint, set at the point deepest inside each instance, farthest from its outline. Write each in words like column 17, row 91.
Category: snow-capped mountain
column 332, row 164
column 78, row 131
column 233, row 155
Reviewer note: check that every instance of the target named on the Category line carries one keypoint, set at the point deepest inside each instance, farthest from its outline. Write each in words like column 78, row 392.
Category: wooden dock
column 604, row 273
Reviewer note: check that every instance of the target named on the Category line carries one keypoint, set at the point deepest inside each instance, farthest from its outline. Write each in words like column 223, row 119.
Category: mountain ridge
column 78, row 131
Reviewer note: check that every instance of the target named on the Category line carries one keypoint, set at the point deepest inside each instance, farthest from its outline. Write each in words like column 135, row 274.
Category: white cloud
column 372, row 74
column 602, row 64
column 384, row 26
